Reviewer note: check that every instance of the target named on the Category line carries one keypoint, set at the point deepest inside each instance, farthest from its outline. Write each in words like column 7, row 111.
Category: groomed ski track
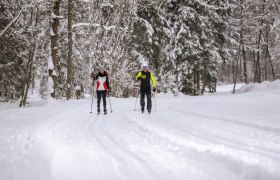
column 198, row 138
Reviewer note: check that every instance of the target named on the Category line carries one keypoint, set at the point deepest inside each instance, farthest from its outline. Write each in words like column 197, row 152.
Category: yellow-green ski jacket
column 145, row 78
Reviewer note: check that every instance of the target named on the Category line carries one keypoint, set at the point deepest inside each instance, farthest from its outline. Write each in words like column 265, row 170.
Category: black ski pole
column 136, row 102
column 110, row 102
column 155, row 101
column 92, row 99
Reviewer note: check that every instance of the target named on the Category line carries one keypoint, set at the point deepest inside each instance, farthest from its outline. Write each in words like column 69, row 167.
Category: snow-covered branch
column 107, row 28
column 106, row 5
column 6, row 65
column 12, row 22
column 85, row 24
column 55, row 16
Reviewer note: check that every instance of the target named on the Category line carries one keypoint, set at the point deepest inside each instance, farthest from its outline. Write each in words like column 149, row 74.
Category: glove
column 154, row 89
column 138, row 78
column 109, row 91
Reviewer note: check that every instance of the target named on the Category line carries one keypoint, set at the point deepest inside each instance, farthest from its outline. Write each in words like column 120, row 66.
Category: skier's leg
column 104, row 93
column 98, row 100
column 142, row 100
column 149, row 100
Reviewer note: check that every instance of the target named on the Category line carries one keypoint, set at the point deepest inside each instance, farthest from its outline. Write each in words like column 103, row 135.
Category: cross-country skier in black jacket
column 145, row 88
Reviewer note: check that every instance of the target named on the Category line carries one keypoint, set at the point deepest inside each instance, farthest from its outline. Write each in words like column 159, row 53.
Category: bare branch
column 12, row 22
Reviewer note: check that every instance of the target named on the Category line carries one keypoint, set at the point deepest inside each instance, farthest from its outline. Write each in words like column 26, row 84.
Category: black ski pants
column 101, row 94
column 146, row 91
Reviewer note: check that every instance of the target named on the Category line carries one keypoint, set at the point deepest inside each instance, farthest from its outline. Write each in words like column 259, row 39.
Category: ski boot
column 105, row 111
column 98, row 110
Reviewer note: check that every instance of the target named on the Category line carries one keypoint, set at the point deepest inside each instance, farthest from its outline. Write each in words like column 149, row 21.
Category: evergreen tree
column 12, row 46
column 199, row 29
column 184, row 42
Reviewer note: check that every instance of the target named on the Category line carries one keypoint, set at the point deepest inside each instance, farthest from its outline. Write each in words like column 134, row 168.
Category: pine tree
column 199, row 31
column 151, row 39
column 54, row 61
column 12, row 48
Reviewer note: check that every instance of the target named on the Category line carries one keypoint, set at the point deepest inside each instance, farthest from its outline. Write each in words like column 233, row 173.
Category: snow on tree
column 192, row 35
column 189, row 45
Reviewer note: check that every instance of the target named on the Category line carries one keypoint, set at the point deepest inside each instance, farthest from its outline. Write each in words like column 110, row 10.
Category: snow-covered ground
column 217, row 136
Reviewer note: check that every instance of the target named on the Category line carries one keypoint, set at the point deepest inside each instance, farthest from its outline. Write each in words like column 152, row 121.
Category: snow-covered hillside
column 217, row 136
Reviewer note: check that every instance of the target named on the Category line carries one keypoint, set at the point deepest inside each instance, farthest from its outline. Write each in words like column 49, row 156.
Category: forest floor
column 216, row 136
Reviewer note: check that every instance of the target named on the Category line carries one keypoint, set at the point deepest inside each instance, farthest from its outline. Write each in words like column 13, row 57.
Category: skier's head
column 145, row 66
column 101, row 69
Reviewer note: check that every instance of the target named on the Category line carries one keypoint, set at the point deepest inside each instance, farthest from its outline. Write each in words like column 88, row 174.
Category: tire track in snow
column 96, row 137
column 29, row 135
column 36, row 141
column 138, row 159
column 186, row 157
column 193, row 141
column 227, row 120
column 117, row 155
column 243, row 131
column 203, row 134
column 141, row 144
column 89, row 141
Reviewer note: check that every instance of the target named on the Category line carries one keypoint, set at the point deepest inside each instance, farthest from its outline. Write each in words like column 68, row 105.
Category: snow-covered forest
column 212, row 92
column 52, row 47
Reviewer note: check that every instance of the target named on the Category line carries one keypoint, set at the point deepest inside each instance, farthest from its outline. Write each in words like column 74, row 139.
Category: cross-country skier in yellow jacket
column 145, row 88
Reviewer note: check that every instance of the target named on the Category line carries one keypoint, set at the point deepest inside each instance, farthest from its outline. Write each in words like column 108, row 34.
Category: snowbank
column 260, row 87
column 228, row 87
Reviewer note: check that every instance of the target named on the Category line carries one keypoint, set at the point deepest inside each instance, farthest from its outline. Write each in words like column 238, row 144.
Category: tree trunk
column 204, row 83
column 242, row 43
column 255, row 66
column 268, row 56
column 258, row 71
column 55, row 73
column 235, row 73
column 258, row 67
column 257, row 77
column 194, row 82
column 32, row 52
column 265, row 65
column 244, row 64
column 70, row 47
column 198, row 81
column 271, row 64
column 30, row 70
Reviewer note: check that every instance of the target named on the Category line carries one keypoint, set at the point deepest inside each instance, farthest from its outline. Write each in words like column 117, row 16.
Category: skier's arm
column 95, row 76
column 153, row 80
column 138, row 75
column 107, row 82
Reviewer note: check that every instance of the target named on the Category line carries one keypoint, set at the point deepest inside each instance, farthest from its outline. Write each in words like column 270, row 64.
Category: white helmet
column 144, row 65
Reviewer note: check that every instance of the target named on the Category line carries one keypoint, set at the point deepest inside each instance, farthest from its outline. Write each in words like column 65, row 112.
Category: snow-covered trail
column 217, row 136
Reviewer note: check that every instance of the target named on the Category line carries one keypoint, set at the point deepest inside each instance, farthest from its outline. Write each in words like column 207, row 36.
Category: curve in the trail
column 169, row 143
